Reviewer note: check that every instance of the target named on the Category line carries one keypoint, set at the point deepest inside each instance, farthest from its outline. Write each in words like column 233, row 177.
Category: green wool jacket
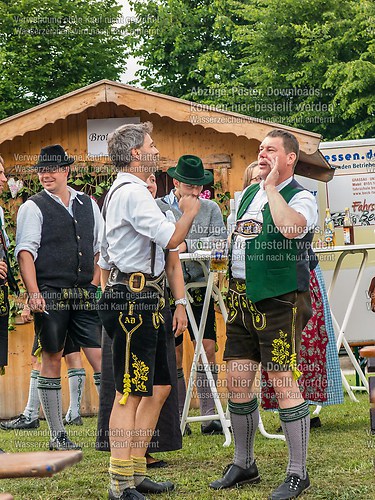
column 274, row 265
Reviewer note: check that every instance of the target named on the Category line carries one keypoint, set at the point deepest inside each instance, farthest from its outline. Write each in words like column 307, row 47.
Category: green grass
column 340, row 462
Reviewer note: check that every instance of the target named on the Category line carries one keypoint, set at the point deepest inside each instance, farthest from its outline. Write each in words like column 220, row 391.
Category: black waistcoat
column 66, row 255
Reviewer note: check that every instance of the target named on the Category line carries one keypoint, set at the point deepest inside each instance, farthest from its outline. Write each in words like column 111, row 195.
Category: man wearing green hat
column 207, row 229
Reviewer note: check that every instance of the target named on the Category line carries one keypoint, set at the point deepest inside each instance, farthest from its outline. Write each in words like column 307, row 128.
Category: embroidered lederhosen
column 267, row 329
column 131, row 312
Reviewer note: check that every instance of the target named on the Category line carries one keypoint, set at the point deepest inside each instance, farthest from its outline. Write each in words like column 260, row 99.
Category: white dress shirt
column 133, row 220
column 30, row 222
column 303, row 202
column 3, row 227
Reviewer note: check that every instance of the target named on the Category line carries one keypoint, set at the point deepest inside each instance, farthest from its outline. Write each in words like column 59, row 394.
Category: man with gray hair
column 132, row 262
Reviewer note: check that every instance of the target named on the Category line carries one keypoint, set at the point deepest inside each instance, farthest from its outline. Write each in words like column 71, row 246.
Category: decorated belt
column 250, row 228
column 137, row 282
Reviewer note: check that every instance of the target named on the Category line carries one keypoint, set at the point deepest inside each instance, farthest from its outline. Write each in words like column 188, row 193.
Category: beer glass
column 219, row 257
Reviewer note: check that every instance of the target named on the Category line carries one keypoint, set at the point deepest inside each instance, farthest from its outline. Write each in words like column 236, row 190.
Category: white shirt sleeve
column 29, row 229
column 103, row 258
column 304, row 203
column 98, row 226
column 147, row 219
column 3, row 226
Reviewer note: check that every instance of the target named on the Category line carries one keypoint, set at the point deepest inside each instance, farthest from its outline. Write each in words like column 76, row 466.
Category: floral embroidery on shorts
column 259, row 319
column 240, row 287
column 232, row 303
column 3, row 304
column 141, row 371
column 157, row 316
column 281, row 349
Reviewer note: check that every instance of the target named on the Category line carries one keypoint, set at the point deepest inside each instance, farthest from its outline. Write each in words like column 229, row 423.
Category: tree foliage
column 303, row 63
column 51, row 47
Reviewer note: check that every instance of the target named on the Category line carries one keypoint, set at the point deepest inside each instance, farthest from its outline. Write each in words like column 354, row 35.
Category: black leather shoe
column 62, row 442
column 315, row 422
column 148, row 486
column 127, row 494
column 20, row 422
column 214, row 427
column 75, row 421
column 156, row 464
column 292, row 487
column 188, row 431
column 235, row 476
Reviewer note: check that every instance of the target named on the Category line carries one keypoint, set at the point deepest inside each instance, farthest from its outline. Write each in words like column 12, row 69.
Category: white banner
column 356, row 192
column 97, row 134
column 350, row 157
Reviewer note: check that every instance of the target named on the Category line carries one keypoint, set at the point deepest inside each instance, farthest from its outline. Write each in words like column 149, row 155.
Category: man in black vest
column 269, row 305
column 57, row 247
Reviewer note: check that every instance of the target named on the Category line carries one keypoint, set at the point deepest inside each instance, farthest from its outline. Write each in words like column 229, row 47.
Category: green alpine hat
column 189, row 169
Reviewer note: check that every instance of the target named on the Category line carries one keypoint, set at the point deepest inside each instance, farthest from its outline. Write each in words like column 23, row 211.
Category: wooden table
column 36, row 463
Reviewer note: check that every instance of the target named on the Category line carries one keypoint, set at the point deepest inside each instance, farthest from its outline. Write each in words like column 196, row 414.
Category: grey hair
column 125, row 138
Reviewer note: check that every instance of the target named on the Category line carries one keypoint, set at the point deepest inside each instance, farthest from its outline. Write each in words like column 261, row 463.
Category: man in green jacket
column 269, row 305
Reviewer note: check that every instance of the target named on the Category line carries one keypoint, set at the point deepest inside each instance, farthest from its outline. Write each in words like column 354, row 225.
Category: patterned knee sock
column 206, row 399
column 244, row 419
column 181, row 387
column 140, row 469
column 296, row 426
column 121, row 474
column 31, row 410
column 49, row 390
column 97, row 380
column 76, row 377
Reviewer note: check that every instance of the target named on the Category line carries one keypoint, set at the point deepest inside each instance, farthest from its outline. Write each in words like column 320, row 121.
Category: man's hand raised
column 272, row 179
column 190, row 204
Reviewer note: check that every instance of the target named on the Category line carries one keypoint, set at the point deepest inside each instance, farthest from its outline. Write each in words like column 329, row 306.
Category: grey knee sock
column 31, row 410
column 206, row 399
column 181, row 388
column 296, row 426
column 76, row 377
column 97, row 380
column 121, row 473
column 50, row 397
column 244, row 419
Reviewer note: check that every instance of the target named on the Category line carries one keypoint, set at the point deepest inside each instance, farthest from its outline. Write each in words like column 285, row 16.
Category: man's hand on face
column 272, row 179
column 189, row 204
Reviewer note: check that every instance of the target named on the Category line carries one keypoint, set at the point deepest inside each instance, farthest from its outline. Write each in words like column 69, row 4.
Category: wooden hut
column 226, row 142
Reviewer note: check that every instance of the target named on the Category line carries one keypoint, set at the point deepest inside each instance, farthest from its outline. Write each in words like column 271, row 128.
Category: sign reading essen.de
column 97, row 134
column 350, row 157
